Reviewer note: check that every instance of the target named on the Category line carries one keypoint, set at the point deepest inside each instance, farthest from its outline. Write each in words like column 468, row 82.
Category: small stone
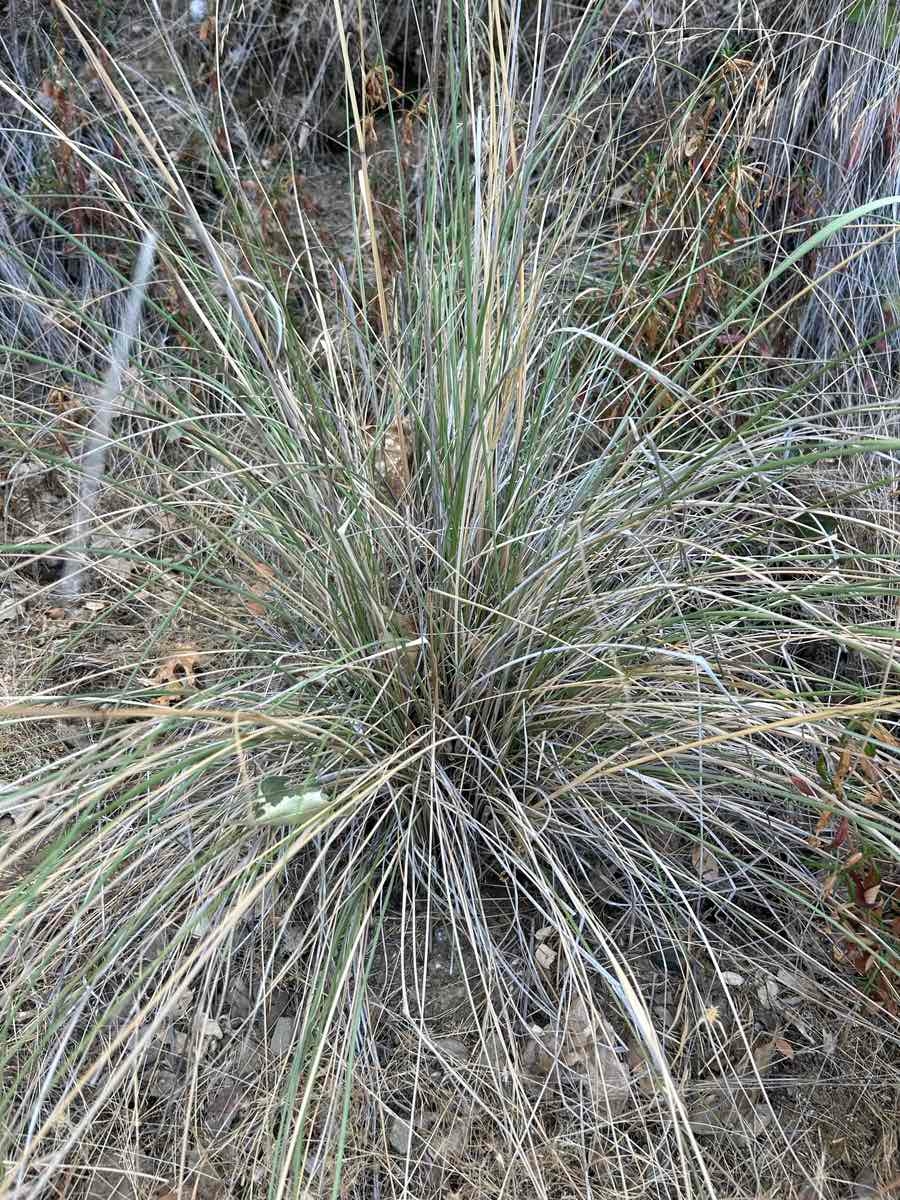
column 762, row 1118
column 400, row 1135
column 865, row 1186
column 282, row 1039
column 795, row 982
column 222, row 1104
column 452, row 1048
column 732, row 979
column 203, row 1181
column 113, row 1176
column 159, row 1082
column 180, row 1042
column 10, row 610
column 240, row 1002
column 279, row 1001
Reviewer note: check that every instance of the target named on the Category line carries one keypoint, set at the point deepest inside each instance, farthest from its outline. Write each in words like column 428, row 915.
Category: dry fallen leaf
column 821, row 825
column 705, row 864
column 763, row 1055
column 586, row 1047
column 545, row 956
column 784, row 1047
column 767, row 993
column 180, row 673
column 882, row 734
column 393, row 461
column 692, row 143
column 803, row 785
column 261, row 587
column 621, row 194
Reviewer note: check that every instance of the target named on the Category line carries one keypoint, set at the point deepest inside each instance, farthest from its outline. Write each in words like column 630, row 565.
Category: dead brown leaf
column 260, row 587
column 784, row 1047
column 692, row 143
column 763, row 1055
column 705, row 864
column 377, row 85
column 393, row 462
column 545, row 956
column 179, row 674
column 882, row 734
column 814, row 840
column 585, row 1045
column 64, row 404
column 845, row 764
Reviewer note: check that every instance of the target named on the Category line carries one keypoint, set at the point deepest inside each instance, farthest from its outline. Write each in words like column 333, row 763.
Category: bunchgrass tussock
column 470, row 762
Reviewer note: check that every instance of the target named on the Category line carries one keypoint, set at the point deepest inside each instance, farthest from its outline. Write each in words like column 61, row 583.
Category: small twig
column 96, row 444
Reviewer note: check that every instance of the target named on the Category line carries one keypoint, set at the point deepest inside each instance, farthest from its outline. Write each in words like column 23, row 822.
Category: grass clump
column 470, row 762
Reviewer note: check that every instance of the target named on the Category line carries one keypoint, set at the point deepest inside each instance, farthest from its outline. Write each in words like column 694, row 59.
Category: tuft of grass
column 565, row 653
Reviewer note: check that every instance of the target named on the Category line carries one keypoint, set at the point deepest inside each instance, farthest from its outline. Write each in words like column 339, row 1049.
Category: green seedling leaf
column 823, row 770
column 867, row 11
column 282, row 802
